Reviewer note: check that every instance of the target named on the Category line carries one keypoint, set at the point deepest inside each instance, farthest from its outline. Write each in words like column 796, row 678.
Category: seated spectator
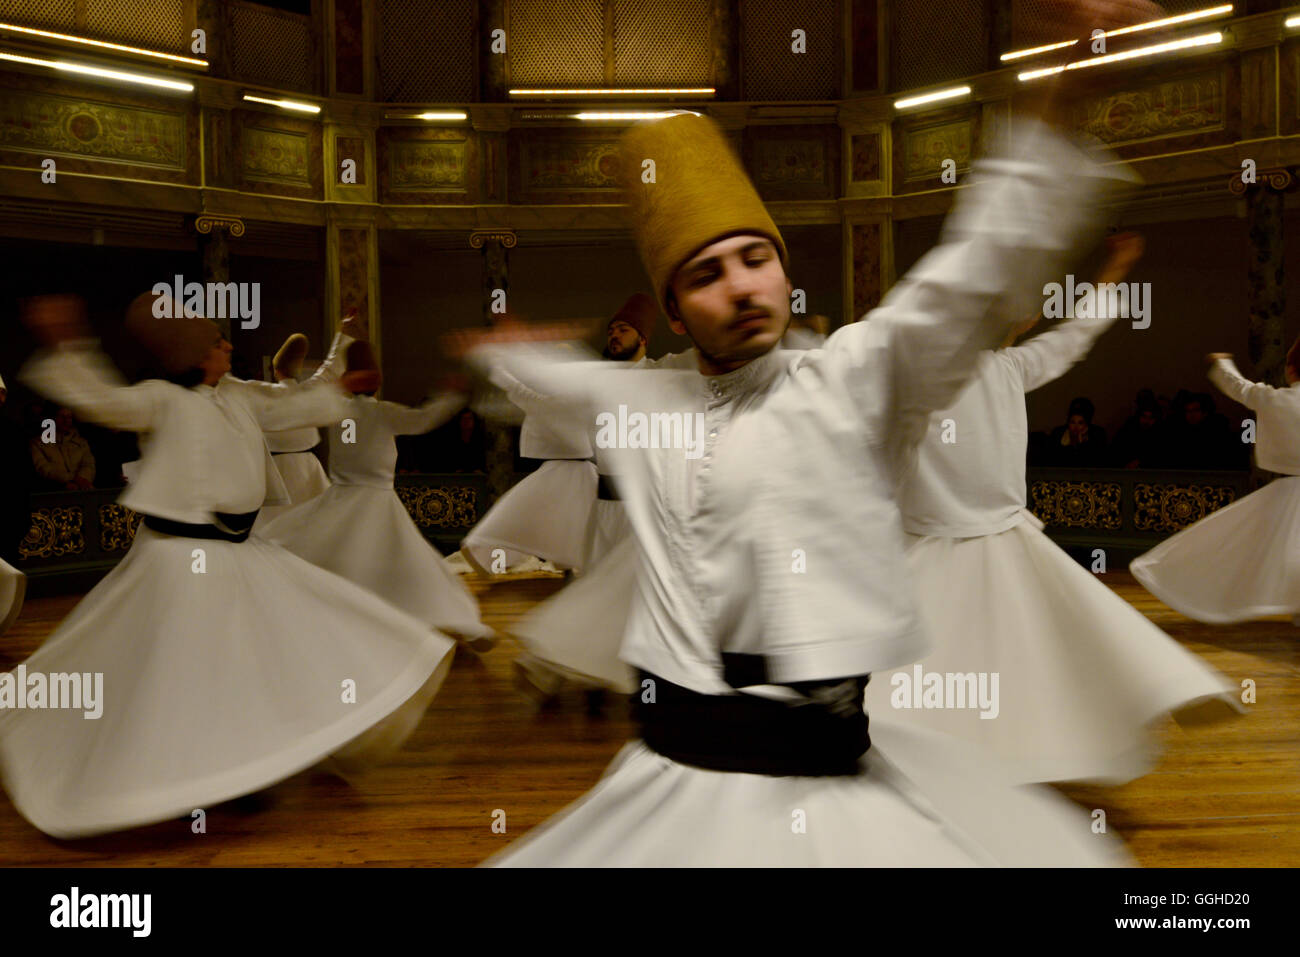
column 111, row 449
column 66, row 462
column 1139, row 443
column 464, row 444
column 1198, row 437
column 1078, row 443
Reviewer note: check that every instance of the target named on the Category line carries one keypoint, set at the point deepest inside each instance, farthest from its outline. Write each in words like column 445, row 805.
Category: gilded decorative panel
column 925, row 149
column 71, row 126
column 867, row 280
column 53, row 532
column 866, row 157
column 1171, row 508
column 793, row 161
column 447, row 507
column 1177, row 107
column 117, row 527
column 275, row 156
column 353, row 148
column 354, row 259
column 426, row 166
column 562, row 163
column 1077, row 504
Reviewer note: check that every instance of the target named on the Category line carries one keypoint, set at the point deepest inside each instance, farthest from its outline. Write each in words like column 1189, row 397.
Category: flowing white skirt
column 303, row 478
column 545, row 514
column 366, row 535
column 608, row 527
column 579, row 631
column 216, row 683
column 13, row 588
column 922, row 801
column 1081, row 674
column 1235, row 564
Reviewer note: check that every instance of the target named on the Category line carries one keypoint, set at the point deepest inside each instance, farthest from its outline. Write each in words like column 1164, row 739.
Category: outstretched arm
column 1049, row 355
column 1228, row 379
column 72, row 370
column 405, row 420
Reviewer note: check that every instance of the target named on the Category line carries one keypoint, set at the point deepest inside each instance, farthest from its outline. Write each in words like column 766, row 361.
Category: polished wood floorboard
column 1223, row 795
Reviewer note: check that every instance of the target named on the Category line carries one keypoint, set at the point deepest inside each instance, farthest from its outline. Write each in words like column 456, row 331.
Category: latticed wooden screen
column 271, row 47
column 426, row 50
column 937, row 42
column 770, row 69
column 155, row 24
column 556, row 43
column 661, row 43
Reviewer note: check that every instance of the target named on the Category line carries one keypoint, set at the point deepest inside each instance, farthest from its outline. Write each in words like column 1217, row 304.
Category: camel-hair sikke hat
column 288, row 361
column 700, row 194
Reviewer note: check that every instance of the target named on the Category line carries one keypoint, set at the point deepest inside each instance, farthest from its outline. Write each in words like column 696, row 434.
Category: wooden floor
column 1226, row 795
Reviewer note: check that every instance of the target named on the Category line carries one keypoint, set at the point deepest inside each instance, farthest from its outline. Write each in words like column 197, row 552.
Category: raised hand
column 355, row 327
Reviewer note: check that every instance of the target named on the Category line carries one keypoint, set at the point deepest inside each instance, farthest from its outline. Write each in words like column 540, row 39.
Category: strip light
column 949, row 94
column 650, row 91
column 284, row 104
column 1205, row 39
column 1222, row 10
column 1293, row 21
column 103, row 44
column 631, row 114
column 66, row 67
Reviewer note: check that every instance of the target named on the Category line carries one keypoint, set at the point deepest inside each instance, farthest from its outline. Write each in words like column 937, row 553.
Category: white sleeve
column 81, row 377
column 1049, row 355
column 405, row 420
column 1228, row 379
column 1023, row 212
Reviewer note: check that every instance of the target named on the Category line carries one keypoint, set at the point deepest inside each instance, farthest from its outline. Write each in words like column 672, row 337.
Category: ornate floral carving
column 1171, row 508
column 448, row 506
column 53, row 532
column 1077, row 504
column 117, row 527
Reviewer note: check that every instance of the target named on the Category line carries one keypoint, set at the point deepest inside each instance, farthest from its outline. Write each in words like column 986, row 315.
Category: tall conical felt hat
column 288, row 361
column 700, row 194
column 639, row 312
column 179, row 339
column 360, row 357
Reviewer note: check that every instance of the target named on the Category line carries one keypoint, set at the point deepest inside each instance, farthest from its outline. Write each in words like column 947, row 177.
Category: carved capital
column 1277, row 178
column 207, row 222
column 479, row 236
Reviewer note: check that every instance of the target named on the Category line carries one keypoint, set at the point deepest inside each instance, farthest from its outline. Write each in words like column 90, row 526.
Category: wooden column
column 1265, row 271
column 496, row 275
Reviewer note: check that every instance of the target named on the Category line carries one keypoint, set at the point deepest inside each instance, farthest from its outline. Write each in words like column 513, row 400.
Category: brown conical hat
column 288, row 361
column 360, row 357
column 640, row 312
column 178, row 339
column 701, row 194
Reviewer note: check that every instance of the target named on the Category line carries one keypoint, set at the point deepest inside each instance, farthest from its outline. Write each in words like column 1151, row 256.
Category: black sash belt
column 227, row 527
column 606, row 491
column 748, row 734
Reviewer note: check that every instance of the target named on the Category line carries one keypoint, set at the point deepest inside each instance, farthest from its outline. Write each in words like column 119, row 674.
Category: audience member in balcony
column 1198, row 437
column 1139, row 443
column 1078, row 443
column 61, row 455
column 1238, row 563
column 112, row 449
column 464, row 445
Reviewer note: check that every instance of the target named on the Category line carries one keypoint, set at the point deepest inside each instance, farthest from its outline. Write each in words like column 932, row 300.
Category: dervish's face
column 216, row 363
column 733, row 299
column 622, row 341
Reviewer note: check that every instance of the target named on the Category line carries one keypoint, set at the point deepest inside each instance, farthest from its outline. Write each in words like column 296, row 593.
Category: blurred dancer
column 548, row 513
column 299, row 468
column 771, row 555
column 359, row 528
column 221, row 664
column 1240, row 562
column 1057, row 674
